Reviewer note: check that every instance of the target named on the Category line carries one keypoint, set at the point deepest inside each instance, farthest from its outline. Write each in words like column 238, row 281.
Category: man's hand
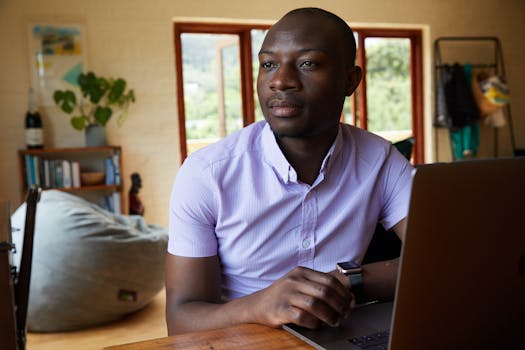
column 304, row 297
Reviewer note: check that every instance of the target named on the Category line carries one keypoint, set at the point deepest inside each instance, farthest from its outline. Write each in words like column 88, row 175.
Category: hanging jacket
column 459, row 98
column 442, row 118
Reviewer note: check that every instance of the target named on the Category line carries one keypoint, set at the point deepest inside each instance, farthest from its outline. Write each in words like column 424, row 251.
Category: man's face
column 303, row 77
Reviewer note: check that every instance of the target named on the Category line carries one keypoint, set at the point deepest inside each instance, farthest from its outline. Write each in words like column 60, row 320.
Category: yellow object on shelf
column 92, row 178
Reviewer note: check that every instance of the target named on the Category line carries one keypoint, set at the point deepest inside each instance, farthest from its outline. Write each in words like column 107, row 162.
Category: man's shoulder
column 366, row 149
column 364, row 140
column 240, row 143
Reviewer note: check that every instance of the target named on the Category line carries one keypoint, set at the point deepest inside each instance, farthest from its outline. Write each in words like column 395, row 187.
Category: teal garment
column 465, row 141
column 467, row 68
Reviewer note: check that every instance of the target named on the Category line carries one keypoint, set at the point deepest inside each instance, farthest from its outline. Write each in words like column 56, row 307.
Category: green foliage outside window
column 388, row 84
column 200, row 87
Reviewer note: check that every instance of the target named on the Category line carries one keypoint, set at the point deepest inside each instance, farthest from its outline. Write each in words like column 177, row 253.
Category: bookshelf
column 61, row 169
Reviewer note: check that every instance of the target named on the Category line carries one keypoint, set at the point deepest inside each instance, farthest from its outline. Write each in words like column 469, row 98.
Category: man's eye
column 268, row 65
column 307, row 64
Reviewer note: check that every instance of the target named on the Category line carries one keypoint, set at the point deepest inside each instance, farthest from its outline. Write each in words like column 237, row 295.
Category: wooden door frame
column 243, row 32
column 416, row 76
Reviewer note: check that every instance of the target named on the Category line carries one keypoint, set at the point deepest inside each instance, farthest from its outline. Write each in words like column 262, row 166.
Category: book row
column 61, row 173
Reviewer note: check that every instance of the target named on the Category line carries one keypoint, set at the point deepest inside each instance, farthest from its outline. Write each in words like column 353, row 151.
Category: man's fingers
column 326, row 287
column 303, row 318
column 326, row 279
column 318, row 308
column 322, row 296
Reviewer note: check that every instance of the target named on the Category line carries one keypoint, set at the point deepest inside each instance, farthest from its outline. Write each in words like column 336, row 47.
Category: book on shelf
column 52, row 173
column 108, row 203
column 27, row 166
column 110, row 171
column 58, row 173
column 113, row 203
column 47, row 174
column 36, row 170
column 33, row 173
column 116, row 203
column 66, row 174
column 75, row 174
column 116, row 167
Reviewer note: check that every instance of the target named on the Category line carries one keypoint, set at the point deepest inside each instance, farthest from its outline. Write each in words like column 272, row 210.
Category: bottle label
column 34, row 137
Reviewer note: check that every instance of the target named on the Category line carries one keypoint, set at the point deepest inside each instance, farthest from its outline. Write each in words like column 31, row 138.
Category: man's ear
column 354, row 78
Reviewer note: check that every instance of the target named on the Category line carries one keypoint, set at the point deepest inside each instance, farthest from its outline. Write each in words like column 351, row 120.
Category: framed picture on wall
column 57, row 57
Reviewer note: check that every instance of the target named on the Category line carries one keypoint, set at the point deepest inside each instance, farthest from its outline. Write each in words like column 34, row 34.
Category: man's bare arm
column 190, row 281
column 303, row 296
column 399, row 228
column 379, row 278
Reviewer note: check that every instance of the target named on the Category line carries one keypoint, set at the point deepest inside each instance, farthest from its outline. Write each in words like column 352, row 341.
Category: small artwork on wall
column 57, row 57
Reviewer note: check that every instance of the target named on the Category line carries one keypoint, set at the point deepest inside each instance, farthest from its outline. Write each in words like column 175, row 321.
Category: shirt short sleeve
column 397, row 183
column 192, row 212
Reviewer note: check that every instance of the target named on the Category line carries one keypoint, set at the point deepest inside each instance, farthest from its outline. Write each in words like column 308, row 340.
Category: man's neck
column 306, row 155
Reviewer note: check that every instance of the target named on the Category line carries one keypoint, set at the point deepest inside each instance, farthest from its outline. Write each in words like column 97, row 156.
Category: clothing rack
column 497, row 67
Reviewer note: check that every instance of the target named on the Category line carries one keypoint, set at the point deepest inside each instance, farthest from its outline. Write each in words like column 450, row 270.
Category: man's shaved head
column 347, row 35
column 306, row 71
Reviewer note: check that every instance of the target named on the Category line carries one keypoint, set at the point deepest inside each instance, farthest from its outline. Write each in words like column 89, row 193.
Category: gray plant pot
column 95, row 136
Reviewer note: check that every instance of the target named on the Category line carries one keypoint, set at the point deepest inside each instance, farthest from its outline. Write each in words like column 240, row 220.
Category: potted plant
column 101, row 99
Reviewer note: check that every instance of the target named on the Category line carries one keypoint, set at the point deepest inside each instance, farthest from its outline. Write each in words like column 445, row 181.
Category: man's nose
column 286, row 77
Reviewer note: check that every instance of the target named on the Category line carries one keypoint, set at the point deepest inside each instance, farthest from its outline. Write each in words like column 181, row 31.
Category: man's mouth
column 284, row 108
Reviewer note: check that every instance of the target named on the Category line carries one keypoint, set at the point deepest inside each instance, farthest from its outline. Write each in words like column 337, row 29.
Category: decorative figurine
column 135, row 204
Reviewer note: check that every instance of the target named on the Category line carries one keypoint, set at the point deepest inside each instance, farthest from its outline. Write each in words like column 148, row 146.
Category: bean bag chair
column 90, row 266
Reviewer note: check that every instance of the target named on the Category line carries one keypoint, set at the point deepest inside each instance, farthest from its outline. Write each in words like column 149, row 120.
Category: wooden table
column 244, row 336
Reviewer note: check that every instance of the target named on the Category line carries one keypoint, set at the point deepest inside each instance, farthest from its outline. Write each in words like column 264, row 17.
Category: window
column 390, row 97
column 217, row 66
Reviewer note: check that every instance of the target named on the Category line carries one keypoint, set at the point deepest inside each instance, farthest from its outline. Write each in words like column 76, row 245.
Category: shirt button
column 306, row 243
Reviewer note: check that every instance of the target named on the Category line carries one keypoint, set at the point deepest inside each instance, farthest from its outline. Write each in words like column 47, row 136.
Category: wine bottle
column 33, row 124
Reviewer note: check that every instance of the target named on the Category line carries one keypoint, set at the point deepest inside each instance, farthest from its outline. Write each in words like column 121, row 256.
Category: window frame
column 243, row 31
column 416, row 77
column 245, row 60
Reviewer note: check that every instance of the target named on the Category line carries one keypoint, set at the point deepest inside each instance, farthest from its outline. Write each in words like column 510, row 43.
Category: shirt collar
column 276, row 159
column 333, row 152
column 273, row 154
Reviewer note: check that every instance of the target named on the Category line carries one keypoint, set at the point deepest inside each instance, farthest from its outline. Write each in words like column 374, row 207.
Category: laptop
column 461, row 282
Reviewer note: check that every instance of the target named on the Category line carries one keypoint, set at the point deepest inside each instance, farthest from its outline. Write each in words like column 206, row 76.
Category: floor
column 145, row 324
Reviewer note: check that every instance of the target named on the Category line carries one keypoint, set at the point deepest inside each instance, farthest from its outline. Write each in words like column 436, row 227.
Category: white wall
column 134, row 39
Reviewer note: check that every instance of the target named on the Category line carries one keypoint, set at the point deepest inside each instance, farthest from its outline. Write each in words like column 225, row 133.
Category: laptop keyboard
column 376, row 341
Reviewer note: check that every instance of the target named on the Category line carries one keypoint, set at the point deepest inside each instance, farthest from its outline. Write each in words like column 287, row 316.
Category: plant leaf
column 102, row 115
column 98, row 89
column 122, row 118
column 85, row 81
column 58, row 96
column 66, row 100
column 116, row 91
column 79, row 122
column 70, row 96
column 93, row 86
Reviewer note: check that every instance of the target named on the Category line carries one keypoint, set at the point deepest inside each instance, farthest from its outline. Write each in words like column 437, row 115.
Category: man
column 259, row 219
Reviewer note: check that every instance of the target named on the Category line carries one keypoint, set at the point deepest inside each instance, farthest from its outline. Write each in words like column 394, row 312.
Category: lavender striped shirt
column 240, row 199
